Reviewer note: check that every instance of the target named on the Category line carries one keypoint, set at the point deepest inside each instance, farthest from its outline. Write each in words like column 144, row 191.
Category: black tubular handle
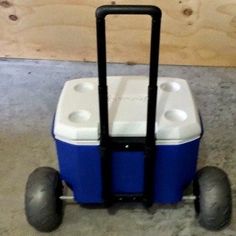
column 153, row 11
column 105, row 140
column 101, row 13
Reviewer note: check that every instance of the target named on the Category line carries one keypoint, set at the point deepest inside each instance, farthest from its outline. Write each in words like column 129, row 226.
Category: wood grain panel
column 194, row 32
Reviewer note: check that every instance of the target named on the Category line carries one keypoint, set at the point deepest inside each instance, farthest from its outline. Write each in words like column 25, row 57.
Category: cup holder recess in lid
column 170, row 87
column 79, row 116
column 84, row 87
column 175, row 115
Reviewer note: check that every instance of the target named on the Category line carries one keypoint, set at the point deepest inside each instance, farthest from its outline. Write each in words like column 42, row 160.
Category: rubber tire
column 213, row 202
column 43, row 208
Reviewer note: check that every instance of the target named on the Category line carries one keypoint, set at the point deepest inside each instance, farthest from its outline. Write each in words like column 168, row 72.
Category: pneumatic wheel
column 213, row 201
column 43, row 207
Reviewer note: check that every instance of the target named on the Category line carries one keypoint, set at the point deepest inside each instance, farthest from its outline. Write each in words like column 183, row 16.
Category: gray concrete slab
column 29, row 94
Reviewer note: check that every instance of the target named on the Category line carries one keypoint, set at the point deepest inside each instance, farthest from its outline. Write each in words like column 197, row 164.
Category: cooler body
column 76, row 133
column 80, row 168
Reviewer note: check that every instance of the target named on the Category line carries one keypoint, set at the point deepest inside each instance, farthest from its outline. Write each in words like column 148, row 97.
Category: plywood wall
column 194, row 32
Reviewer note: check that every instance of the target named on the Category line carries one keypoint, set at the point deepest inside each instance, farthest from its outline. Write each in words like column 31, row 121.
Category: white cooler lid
column 77, row 115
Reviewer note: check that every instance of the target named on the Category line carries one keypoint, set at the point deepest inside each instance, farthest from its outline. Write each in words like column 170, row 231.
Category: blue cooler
column 133, row 138
column 77, row 135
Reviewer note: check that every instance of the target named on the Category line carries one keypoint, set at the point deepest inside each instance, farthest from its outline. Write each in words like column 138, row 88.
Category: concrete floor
column 30, row 91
